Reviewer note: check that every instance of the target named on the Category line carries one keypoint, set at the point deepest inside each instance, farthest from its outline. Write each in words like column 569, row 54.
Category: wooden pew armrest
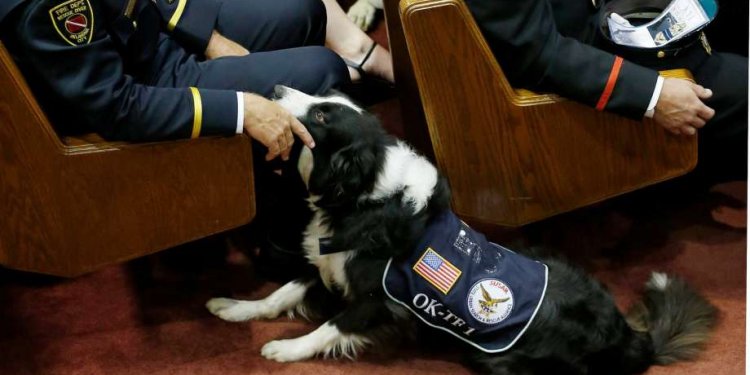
column 92, row 143
column 523, row 97
column 73, row 205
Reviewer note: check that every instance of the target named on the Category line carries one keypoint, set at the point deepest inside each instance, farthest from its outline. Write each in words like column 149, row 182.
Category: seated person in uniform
column 141, row 70
column 144, row 70
column 557, row 46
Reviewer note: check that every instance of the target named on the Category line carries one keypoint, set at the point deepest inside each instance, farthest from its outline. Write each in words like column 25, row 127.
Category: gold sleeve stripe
column 177, row 15
column 198, row 113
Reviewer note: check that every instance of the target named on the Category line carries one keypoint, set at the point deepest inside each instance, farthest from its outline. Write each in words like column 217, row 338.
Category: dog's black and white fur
column 373, row 196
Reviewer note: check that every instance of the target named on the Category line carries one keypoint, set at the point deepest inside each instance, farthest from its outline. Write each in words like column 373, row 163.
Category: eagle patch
column 490, row 301
column 74, row 21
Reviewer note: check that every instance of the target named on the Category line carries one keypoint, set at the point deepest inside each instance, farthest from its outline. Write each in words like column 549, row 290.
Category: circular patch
column 490, row 301
column 76, row 23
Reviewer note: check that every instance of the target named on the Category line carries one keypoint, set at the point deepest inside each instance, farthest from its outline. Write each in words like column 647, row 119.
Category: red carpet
column 147, row 316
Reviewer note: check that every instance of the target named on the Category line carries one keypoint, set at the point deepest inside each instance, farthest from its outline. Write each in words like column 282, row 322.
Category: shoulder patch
column 74, row 21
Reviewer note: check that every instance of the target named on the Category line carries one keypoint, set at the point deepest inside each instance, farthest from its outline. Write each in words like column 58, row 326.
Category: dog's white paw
column 362, row 13
column 233, row 310
column 287, row 350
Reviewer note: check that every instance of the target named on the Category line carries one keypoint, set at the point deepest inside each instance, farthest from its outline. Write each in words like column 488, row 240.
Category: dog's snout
column 279, row 91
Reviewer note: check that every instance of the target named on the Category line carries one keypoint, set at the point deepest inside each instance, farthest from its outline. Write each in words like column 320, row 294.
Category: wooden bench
column 512, row 156
column 70, row 206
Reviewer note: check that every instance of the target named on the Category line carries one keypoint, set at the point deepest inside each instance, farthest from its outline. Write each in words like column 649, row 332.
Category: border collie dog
column 374, row 199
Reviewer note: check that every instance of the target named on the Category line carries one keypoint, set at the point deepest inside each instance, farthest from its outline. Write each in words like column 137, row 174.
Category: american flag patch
column 437, row 271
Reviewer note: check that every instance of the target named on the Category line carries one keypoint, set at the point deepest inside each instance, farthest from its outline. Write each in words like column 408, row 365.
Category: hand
column 680, row 108
column 272, row 125
column 219, row 46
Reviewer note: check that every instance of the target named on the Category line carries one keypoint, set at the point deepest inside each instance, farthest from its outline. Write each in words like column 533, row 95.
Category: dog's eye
column 320, row 116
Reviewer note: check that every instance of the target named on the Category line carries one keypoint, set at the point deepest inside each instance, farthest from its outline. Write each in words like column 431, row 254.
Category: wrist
column 250, row 103
column 211, row 48
column 250, row 100
column 651, row 109
column 220, row 46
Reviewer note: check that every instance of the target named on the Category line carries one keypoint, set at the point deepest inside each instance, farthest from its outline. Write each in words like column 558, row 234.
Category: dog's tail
column 676, row 317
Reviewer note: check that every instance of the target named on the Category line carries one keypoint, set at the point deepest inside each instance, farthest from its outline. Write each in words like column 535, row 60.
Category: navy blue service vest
column 457, row 281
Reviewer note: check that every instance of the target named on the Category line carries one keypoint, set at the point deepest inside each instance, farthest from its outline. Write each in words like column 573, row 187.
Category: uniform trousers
column 285, row 40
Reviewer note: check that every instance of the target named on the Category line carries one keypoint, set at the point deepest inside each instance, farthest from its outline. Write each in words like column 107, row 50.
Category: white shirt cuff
column 654, row 98
column 240, row 112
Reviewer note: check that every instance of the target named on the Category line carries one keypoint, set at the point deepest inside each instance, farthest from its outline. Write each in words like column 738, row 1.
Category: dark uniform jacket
column 546, row 45
column 97, row 58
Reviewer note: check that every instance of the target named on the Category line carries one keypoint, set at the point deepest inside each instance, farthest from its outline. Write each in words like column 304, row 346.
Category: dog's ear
column 352, row 169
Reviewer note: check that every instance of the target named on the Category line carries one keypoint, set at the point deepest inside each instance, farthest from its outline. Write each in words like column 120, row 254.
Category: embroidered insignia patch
column 74, row 21
column 437, row 271
column 490, row 301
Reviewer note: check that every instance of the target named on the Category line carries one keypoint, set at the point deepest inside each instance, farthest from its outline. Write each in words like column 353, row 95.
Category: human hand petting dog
column 265, row 121
column 680, row 108
column 220, row 46
column 273, row 126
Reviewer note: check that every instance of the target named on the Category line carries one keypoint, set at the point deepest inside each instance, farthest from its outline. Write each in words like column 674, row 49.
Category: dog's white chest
column 331, row 266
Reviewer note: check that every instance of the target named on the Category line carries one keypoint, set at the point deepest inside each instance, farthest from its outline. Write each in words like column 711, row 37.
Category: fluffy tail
column 676, row 317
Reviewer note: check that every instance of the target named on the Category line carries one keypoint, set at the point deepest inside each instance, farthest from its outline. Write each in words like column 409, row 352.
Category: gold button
column 660, row 54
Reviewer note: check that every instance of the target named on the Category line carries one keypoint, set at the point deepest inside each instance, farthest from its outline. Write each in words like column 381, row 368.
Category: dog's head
column 349, row 144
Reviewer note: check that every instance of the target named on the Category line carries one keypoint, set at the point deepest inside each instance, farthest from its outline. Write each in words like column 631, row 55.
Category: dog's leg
column 284, row 299
column 319, row 304
column 327, row 340
column 343, row 336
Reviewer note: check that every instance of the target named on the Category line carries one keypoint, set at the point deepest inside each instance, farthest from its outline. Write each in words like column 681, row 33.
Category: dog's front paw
column 287, row 350
column 233, row 310
column 362, row 13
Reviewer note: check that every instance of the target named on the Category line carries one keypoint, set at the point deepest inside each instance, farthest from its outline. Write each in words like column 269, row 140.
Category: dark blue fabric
column 6, row 6
column 489, row 304
column 324, row 244
column 544, row 45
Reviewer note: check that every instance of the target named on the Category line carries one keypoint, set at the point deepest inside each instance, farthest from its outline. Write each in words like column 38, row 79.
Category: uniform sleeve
column 190, row 21
column 524, row 38
column 89, row 76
